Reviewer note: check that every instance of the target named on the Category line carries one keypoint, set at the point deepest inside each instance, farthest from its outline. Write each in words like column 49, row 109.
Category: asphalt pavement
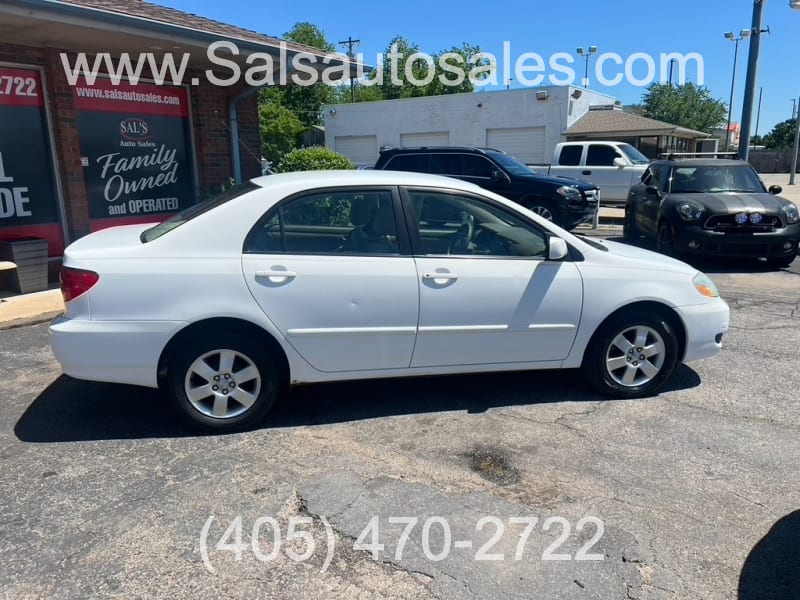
column 523, row 485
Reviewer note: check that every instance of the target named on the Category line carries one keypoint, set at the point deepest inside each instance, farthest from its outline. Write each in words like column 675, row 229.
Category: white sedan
column 326, row 276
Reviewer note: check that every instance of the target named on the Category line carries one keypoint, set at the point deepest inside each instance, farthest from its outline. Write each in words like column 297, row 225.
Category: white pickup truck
column 612, row 166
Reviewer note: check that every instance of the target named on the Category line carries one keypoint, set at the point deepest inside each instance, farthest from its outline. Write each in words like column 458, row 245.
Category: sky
column 624, row 27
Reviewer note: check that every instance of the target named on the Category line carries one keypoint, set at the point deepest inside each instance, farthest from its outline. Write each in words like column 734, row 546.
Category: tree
column 280, row 129
column 380, row 85
column 305, row 101
column 782, row 135
column 313, row 159
column 687, row 105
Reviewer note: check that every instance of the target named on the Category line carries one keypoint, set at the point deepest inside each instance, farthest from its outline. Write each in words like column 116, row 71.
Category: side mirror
column 619, row 162
column 557, row 248
column 775, row 190
column 652, row 190
column 499, row 176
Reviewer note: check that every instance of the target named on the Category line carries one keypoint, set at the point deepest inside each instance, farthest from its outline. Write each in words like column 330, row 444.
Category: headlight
column 705, row 286
column 570, row 193
column 791, row 214
column 689, row 211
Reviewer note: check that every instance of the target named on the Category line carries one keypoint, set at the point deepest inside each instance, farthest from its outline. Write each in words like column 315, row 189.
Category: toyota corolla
column 325, row 276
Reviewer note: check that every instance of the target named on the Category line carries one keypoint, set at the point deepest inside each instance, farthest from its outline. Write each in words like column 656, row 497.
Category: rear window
column 195, row 211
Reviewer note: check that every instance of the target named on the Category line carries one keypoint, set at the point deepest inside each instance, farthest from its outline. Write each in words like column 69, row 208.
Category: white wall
column 465, row 117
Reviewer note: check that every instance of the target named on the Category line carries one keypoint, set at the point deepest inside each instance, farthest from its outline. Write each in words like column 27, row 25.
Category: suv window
column 477, row 166
column 713, row 178
column 355, row 222
column 570, row 156
column 446, row 164
column 600, row 155
column 456, row 224
column 417, row 163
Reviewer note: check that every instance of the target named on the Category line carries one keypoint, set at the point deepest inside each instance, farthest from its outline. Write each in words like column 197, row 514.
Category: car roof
column 321, row 179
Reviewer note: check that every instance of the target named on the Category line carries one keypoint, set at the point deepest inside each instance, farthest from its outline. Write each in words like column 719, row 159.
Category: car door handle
column 275, row 274
column 587, row 172
column 440, row 276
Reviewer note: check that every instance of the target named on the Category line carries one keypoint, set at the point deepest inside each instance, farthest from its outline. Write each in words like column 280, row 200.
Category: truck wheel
column 544, row 209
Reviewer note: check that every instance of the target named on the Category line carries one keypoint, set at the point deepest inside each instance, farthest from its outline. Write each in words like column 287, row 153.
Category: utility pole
column 752, row 77
column 794, row 108
column 350, row 43
column 796, row 151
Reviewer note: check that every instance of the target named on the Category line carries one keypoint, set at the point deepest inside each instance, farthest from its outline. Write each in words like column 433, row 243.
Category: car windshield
column 634, row 155
column 510, row 164
column 715, row 179
column 195, row 210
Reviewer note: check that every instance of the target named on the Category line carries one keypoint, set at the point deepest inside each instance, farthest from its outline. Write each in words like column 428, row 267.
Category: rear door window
column 446, row 164
column 418, row 163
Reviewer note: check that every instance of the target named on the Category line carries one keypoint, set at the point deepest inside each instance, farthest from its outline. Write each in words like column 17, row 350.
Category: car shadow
column 772, row 569
column 719, row 264
column 70, row 410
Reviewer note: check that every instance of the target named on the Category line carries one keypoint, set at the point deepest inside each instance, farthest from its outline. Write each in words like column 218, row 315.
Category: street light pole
column 729, row 35
column 752, row 77
column 586, row 54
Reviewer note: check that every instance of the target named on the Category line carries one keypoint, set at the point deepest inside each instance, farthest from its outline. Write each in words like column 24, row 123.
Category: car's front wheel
column 632, row 355
column 629, row 231
column 665, row 241
column 222, row 383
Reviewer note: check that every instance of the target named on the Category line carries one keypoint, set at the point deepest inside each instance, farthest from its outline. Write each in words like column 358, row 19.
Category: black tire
column 261, row 387
column 781, row 262
column 544, row 208
column 629, row 231
column 665, row 243
column 604, row 348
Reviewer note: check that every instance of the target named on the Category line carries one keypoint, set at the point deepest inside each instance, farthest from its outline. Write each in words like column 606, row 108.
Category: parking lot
column 525, row 485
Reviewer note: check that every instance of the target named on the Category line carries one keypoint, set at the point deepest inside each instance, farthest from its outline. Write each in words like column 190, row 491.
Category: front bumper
column 695, row 239
column 584, row 211
column 705, row 326
column 111, row 351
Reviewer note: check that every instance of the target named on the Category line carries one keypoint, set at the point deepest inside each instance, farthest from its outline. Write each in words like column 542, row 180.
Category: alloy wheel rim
column 635, row 356
column 544, row 212
column 222, row 384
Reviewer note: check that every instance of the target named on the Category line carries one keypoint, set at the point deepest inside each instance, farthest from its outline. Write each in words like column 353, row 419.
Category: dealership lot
column 696, row 490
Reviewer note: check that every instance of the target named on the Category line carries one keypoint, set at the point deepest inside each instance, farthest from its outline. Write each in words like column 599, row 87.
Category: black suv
column 712, row 206
column 566, row 202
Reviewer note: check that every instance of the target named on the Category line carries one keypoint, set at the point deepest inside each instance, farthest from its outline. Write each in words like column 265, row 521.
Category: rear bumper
column 697, row 240
column 705, row 325
column 112, row 351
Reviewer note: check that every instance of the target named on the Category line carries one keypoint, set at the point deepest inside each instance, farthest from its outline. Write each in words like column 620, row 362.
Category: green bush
column 313, row 159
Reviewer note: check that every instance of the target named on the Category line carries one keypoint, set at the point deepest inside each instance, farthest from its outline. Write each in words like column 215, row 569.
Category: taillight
column 75, row 282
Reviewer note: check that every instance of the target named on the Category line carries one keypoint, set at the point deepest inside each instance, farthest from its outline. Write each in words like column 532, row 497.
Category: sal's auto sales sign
column 28, row 198
column 135, row 142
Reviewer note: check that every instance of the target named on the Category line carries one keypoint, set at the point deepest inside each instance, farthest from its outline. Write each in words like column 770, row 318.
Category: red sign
column 28, row 198
column 142, row 98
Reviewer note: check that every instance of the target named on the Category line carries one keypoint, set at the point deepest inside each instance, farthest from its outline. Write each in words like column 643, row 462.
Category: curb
column 32, row 320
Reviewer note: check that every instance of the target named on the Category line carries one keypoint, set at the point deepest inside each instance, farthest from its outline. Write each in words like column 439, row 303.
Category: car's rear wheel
column 781, row 262
column 632, row 355
column 544, row 209
column 665, row 242
column 223, row 383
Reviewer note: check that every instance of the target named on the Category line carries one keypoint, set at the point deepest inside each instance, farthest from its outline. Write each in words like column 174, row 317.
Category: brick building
column 77, row 156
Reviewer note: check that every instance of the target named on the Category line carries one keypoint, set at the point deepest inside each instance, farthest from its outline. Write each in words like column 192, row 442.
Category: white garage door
column 432, row 138
column 361, row 149
column 526, row 143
